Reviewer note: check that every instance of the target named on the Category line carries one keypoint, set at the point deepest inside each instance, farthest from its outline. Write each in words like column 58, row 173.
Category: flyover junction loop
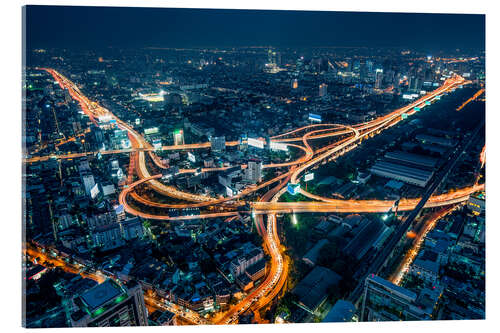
column 304, row 135
column 309, row 159
column 204, row 201
column 349, row 138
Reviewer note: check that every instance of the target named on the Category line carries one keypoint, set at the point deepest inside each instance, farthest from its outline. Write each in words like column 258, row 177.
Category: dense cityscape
column 252, row 185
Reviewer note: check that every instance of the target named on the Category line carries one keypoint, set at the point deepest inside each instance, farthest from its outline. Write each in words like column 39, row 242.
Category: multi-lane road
column 349, row 138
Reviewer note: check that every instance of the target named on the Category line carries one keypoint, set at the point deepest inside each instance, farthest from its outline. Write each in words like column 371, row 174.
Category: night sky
column 97, row 27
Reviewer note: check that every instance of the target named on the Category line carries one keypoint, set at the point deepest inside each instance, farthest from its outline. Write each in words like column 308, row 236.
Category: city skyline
column 193, row 185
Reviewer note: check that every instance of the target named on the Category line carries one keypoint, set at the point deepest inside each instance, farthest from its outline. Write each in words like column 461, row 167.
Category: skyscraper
column 178, row 137
column 109, row 304
column 278, row 59
column 271, row 57
column 254, row 171
column 323, row 90
column 243, row 142
column 369, row 67
column 385, row 301
column 356, row 66
column 379, row 75
column 88, row 182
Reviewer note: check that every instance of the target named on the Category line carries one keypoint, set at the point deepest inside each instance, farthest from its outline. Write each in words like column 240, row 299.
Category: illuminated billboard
column 308, row 177
column 256, row 143
column 278, row 146
column 315, row 117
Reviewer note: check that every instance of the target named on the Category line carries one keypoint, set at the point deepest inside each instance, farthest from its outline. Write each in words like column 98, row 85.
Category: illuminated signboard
column 293, row 189
column 438, row 97
column 94, row 191
column 407, row 96
column 137, row 121
column 314, row 117
column 278, row 146
column 427, row 102
column 191, row 157
column 404, row 116
column 308, row 177
column 256, row 143
column 152, row 130
column 416, row 108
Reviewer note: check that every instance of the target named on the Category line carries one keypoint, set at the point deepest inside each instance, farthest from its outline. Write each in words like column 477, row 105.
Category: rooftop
column 342, row 311
column 101, row 294
column 313, row 288
column 392, row 287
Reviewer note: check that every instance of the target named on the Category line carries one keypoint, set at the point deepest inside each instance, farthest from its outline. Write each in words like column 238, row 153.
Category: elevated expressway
column 358, row 132
column 278, row 268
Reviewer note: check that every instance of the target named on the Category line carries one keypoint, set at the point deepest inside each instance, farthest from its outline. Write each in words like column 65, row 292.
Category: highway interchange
column 349, row 138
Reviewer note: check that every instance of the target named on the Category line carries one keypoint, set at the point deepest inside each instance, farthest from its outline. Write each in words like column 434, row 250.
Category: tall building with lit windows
column 323, row 90
column 386, row 301
column 271, row 57
column 379, row 75
column 109, row 304
column 254, row 171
